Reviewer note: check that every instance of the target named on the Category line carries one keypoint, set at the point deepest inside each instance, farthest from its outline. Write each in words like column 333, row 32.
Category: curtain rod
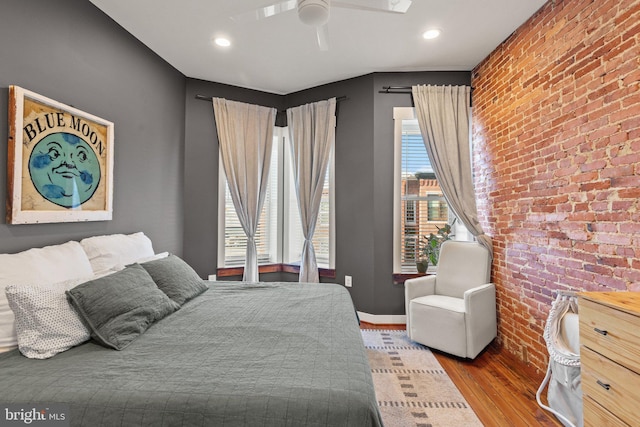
column 395, row 89
column 399, row 89
column 209, row 98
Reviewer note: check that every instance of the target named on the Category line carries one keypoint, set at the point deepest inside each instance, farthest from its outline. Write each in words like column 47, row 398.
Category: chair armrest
column 419, row 287
column 414, row 288
column 481, row 317
column 480, row 297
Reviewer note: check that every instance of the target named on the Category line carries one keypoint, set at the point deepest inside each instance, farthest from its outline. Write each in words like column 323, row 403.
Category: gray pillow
column 121, row 306
column 175, row 278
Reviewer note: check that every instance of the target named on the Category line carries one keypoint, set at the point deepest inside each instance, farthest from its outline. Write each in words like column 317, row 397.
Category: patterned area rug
column 412, row 388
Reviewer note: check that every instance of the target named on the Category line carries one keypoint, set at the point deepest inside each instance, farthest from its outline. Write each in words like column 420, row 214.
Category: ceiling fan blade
column 323, row 37
column 265, row 11
column 391, row 6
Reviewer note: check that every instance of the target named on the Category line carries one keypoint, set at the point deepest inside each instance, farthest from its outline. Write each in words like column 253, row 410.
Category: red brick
column 613, row 283
column 598, row 185
column 616, row 239
column 618, row 171
column 626, row 181
column 614, row 261
column 598, row 164
column 612, row 216
column 557, row 160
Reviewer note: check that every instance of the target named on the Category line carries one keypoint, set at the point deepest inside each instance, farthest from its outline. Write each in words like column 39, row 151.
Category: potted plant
column 430, row 249
column 422, row 263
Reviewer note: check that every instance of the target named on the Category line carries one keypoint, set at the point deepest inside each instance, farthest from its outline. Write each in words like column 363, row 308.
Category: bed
column 235, row 354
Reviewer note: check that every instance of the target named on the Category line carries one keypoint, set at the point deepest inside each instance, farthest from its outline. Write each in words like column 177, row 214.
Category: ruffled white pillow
column 45, row 321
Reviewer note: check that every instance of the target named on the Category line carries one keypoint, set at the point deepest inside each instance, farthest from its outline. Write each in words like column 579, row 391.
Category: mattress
column 240, row 354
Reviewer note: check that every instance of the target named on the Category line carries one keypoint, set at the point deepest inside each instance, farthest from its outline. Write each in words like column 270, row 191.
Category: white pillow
column 121, row 267
column 154, row 257
column 46, row 323
column 40, row 266
column 114, row 251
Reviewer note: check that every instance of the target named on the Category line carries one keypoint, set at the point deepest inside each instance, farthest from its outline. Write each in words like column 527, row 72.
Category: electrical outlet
column 347, row 281
column 212, row 277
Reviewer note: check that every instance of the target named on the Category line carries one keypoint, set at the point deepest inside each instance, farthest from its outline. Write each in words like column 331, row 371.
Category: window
column 279, row 238
column 410, row 212
column 324, row 236
column 232, row 248
column 437, row 207
column 419, row 205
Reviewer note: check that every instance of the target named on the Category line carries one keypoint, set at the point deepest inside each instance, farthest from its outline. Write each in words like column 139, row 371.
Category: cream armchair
column 455, row 310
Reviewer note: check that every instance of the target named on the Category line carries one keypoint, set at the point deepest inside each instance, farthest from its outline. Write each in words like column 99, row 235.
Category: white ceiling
column 280, row 54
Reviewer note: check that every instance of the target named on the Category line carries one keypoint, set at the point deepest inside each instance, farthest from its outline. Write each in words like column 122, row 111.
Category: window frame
column 288, row 195
column 399, row 115
column 275, row 251
column 283, row 153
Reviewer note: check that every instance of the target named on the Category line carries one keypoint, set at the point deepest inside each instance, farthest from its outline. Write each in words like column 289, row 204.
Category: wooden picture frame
column 60, row 162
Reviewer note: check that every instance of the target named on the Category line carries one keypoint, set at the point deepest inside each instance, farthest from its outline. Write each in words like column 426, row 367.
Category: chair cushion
column 441, row 301
column 439, row 322
column 462, row 266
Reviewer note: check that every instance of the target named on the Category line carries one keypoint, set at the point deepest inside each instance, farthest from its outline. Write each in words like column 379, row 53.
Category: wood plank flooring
column 500, row 389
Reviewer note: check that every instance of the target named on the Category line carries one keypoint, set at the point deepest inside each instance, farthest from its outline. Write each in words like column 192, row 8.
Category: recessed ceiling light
column 223, row 42
column 431, row 34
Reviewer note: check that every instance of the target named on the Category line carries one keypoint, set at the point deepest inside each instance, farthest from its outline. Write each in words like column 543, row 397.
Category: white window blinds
column 419, row 206
column 423, row 206
column 235, row 240
column 322, row 238
column 279, row 237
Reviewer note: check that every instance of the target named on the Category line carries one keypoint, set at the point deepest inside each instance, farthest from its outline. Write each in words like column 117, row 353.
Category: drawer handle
column 603, row 385
column 600, row 331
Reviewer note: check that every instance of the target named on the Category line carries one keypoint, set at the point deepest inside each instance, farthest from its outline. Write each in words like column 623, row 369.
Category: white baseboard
column 383, row 319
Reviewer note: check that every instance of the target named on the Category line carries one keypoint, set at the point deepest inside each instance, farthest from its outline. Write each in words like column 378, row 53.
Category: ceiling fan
column 316, row 12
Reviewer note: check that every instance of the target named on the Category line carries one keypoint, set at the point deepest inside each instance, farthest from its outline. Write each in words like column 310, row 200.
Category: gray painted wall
column 364, row 181
column 353, row 180
column 389, row 298
column 70, row 51
column 364, row 178
column 166, row 148
column 201, row 169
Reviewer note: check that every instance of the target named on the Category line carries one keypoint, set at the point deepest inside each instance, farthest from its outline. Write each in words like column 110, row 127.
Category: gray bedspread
column 268, row 354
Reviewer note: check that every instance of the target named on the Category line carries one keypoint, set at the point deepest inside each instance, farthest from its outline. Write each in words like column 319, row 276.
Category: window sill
column 400, row 278
column 274, row 268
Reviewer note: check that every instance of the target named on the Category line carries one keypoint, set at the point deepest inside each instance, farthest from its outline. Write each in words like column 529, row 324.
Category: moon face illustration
column 64, row 169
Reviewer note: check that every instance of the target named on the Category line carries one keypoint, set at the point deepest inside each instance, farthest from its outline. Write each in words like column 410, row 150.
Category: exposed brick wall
column 557, row 148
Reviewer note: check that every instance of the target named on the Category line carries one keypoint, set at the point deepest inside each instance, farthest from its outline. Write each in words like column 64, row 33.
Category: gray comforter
column 277, row 354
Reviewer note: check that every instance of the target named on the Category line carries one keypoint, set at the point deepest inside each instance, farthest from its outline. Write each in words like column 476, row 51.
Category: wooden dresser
column 610, row 357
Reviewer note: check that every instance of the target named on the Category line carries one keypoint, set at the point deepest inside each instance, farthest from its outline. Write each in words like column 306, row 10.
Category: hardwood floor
column 499, row 388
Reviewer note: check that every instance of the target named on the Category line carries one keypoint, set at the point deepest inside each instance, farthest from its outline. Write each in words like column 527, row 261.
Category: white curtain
column 312, row 135
column 443, row 115
column 245, row 135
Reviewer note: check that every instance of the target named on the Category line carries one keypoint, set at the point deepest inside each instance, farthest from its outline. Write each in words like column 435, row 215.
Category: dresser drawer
column 611, row 385
column 612, row 333
column 596, row 416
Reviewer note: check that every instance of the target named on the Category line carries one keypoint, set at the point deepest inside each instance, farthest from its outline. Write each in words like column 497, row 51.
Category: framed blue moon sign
column 60, row 162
